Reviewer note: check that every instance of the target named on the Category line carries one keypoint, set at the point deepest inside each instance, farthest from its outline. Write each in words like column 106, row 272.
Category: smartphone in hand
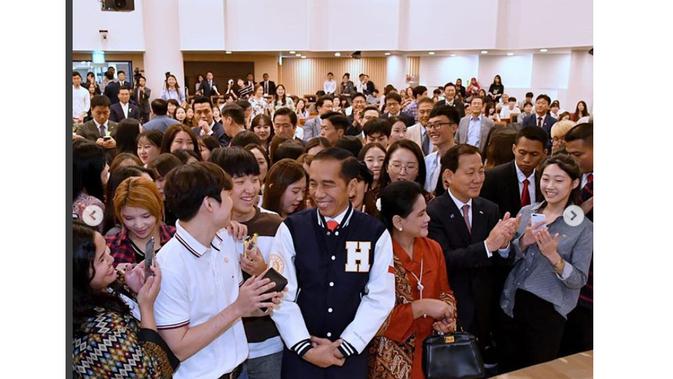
column 536, row 218
column 149, row 258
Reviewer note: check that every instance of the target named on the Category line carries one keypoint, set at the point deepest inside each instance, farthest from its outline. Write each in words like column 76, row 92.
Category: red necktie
column 588, row 189
column 332, row 225
column 525, row 196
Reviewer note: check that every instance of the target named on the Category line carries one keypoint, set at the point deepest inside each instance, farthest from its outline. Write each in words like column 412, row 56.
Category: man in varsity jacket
column 341, row 285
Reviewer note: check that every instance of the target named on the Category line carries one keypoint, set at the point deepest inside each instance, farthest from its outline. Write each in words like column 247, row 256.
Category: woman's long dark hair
column 412, row 146
column 85, row 299
column 127, row 134
column 88, row 161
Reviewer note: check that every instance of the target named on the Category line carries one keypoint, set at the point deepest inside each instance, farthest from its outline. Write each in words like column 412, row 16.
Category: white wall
column 258, row 25
column 526, row 24
column 125, row 29
column 566, row 77
column 449, row 25
column 396, row 71
column 201, row 25
column 437, row 71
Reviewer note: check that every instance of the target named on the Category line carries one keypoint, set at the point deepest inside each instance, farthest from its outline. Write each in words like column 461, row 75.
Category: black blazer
column 112, row 90
column 272, row 87
column 117, row 113
column 469, row 269
column 501, row 186
column 549, row 121
column 207, row 90
column 218, row 132
column 458, row 104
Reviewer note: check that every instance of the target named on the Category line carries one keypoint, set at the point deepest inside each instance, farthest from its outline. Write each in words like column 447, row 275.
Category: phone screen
column 149, row 259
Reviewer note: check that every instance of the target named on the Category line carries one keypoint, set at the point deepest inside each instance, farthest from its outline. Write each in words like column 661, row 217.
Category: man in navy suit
column 112, row 89
column 541, row 118
column 124, row 109
column 474, row 241
column 209, row 87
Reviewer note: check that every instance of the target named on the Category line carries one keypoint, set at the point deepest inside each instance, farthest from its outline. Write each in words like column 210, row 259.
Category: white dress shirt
column 125, row 109
column 81, row 102
column 531, row 183
column 329, row 86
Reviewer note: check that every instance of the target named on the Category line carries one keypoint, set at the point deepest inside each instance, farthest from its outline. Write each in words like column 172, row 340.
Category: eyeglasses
column 437, row 125
column 399, row 166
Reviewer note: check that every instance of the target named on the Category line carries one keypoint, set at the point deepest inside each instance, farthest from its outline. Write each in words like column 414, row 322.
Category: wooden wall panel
column 306, row 76
column 414, row 69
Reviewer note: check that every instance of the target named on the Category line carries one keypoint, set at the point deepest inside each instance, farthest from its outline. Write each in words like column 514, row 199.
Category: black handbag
column 452, row 356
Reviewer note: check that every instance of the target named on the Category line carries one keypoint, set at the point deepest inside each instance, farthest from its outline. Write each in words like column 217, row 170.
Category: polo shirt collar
column 189, row 242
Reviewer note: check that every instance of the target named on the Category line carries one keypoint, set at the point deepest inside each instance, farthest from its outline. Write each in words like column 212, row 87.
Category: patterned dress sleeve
column 114, row 348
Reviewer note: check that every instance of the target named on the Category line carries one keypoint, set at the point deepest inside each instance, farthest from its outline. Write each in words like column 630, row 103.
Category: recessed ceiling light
column 303, row 57
column 298, row 55
column 337, row 54
column 227, row 52
column 453, row 55
column 510, row 54
column 292, row 52
column 484, row 51
column 387, row 54
column 543, row 50
column 431, row 53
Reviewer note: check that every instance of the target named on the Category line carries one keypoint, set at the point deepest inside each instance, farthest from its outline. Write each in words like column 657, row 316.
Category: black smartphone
column 149, row 258
column 278, row 279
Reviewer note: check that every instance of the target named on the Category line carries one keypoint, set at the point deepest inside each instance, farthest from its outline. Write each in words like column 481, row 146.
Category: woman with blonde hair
column 139, row 210
column 558, row 131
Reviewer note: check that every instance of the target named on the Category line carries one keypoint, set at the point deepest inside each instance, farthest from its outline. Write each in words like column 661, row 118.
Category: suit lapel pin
column 481, row 212
column 451, row 215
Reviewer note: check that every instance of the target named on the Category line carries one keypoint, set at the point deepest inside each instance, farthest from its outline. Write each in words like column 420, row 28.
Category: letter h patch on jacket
column 358, row 256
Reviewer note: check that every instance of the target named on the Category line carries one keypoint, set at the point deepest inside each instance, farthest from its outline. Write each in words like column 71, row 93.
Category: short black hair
column 338, row 120
column 100, row 101
column 321, row 101
column 419, row 90
column 358, row 94
column 159, row 107
column 330, row 73
column 164, row 163
column 350, row 167
column 235, row 161
column 75, row 73
column 529, row 94
column 446, row 110
column 543, row 96
column 450, row 159
column 235, row 112
column 512, row 98
column 393, row 96
column 284, row 111
column 187, row 185
column 154, row 136
column 583, row 131
column 449, row 84
column 244, row 104
column 287, row 149
column 183, row 155
column 202, row 100
column 377, row 125
column 121, row 72
column 244, row 138
column 532, row 133
column 350, row 143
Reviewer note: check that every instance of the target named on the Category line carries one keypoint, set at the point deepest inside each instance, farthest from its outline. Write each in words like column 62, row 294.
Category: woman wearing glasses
column 404, row 162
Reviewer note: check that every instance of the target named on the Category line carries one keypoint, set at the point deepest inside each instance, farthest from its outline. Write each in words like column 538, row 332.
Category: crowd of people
column 391, row 217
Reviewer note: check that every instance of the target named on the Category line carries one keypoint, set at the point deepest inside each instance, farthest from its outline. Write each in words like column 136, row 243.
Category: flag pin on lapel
column 481, row 212
column 451, row 215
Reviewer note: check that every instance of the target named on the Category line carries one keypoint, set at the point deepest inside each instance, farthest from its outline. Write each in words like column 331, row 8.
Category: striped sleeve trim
column 302, row 347
column 173, row 326
column 347, row 349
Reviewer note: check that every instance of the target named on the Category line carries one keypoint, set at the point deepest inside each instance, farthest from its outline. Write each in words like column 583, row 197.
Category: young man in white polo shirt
column 199, row 309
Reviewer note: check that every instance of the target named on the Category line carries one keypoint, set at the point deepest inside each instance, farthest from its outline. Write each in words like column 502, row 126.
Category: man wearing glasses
column 441, row 129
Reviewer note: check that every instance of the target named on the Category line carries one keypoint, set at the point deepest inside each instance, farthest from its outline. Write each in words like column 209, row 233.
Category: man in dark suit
column 450, row 99
column 268, row 85
column 394, row 108
column 541, row 118
column 474, row 241
column 369, row 86
column 209, row 86
column 100, row 125
column 516, row 184
column 112, row 89
column 206, row 125
column 124, row 109
column 141, row 96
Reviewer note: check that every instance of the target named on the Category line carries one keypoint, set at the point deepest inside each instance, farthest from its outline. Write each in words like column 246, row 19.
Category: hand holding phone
column 149, row 258
column 536, row 219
